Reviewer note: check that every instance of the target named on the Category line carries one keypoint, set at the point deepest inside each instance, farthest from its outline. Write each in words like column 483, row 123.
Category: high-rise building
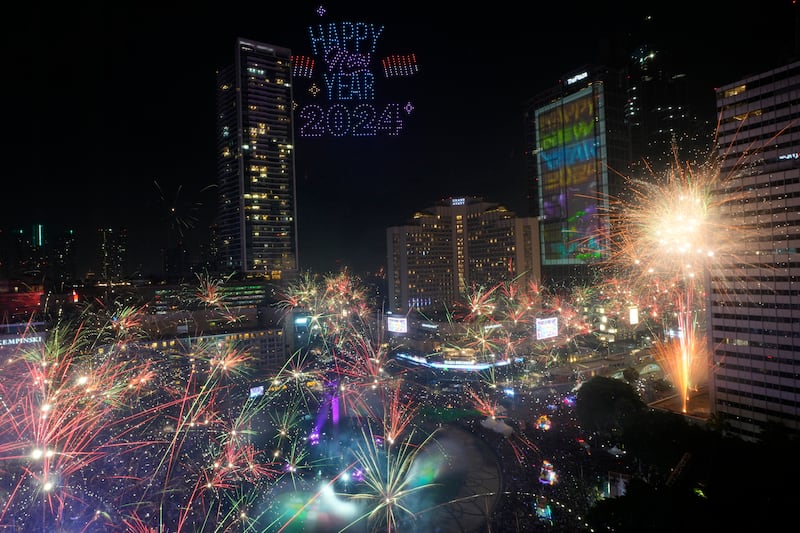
column 255, row 163
column 64, row 259
column 457, row 244
column 754, row 297
column 30, row 249
column 40, row 254
column 577, row 143
column 668, row 108
column 112, row 254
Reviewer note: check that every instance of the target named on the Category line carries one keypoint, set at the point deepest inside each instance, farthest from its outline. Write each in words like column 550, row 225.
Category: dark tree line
column 688, row 476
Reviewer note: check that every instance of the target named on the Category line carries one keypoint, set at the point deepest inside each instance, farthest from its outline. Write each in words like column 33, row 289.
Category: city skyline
column 118, row 99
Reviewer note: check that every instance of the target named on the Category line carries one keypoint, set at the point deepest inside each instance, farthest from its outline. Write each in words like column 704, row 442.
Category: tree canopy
column 604, row 405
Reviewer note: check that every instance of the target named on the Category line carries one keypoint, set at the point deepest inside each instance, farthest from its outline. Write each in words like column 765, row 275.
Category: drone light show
column 344, row 83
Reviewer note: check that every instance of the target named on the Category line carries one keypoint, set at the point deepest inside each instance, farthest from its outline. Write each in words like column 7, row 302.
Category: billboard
column 397, row 324
column 546, row 328
column 571, row 165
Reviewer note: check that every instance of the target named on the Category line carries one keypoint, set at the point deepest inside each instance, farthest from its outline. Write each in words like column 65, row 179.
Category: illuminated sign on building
column 397, row 324
column 546, row 328
column 15, row 341
column 577, row 78
column 342, row 82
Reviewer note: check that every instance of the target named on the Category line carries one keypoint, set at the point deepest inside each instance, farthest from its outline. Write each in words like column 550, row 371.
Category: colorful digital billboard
column 571, row 163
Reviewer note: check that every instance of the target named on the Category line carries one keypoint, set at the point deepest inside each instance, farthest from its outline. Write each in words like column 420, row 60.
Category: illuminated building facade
column 19, row 302
column 256, row 222
column 576, row 138
column 754, row 296
column 454, row 245
column 248, row 294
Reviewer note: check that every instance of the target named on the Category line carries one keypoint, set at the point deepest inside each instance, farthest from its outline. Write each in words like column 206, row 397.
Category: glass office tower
column 256, row 222
column 576, row 140
column 754, row 300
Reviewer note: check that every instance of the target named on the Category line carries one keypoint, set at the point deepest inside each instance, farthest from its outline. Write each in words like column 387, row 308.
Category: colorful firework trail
column 494, row 414
column 387, row 476
column 336, row 305
column 103, row 430
column 111, row 432
column 496, row 324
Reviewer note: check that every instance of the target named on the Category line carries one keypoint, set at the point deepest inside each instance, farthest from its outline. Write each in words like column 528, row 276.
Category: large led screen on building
column 571, row 164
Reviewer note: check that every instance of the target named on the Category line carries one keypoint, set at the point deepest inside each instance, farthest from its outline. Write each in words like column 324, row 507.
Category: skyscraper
column 576, row 139
column 255, row 163
column 754, row 296
column 459, row 243
column 112, row 253
column 667, row 110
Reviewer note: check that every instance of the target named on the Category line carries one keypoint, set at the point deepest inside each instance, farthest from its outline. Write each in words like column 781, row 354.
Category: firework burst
column 388, row 487
column 399, row 412
column 101, row 431
column 666, row 236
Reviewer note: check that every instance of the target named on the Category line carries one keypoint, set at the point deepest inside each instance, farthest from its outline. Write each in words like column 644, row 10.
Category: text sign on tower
column 343, row 84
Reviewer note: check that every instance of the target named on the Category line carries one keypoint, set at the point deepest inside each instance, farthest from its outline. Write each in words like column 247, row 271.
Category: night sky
column 109, row 111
